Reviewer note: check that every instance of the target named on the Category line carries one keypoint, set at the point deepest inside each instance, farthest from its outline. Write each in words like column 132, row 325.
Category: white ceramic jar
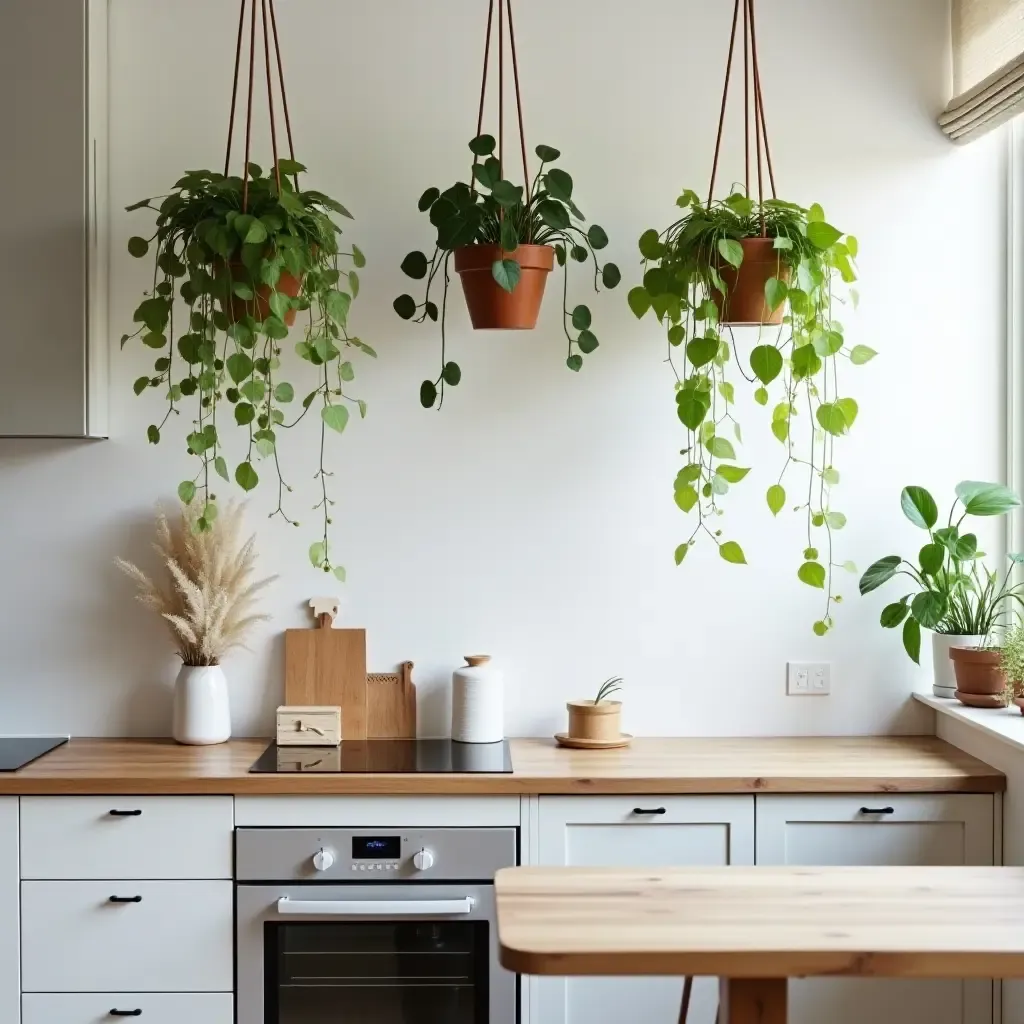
column 944, row 684
column 478, row 701
column 201, row 711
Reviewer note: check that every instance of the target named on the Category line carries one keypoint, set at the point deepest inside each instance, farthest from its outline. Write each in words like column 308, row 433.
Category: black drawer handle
column 125, row 899
column 878, row 810
column 125, row 1013
column 648, row 810
column 114, row 813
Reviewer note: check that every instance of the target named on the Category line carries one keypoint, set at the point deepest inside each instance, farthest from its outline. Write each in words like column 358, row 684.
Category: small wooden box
column 308, row 726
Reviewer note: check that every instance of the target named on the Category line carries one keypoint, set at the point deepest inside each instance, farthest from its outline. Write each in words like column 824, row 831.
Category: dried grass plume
column 210, row 593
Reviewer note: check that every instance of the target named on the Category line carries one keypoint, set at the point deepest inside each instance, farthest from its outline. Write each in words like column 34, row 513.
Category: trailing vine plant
column 245, row 255
column 493, row 211
column 685, row 286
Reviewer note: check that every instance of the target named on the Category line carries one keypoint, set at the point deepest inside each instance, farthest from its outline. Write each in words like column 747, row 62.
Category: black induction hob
column 391, row 756
column 18, row 751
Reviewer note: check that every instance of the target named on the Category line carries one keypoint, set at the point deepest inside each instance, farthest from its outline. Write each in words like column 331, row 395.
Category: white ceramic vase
column 201, row 711
column 944, row 684
column 478, row 701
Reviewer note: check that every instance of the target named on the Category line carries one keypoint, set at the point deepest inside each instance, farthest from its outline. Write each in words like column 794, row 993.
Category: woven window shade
column 988, row 67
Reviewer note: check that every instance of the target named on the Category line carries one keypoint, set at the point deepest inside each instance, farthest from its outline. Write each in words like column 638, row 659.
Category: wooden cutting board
column 391, row 704
column 328, row 666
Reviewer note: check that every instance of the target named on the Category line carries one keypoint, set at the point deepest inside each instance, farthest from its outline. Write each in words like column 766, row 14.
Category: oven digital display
column 376, row 847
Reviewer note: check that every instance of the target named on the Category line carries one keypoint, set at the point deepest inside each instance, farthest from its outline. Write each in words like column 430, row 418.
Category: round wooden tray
column 980, row 700
column 563, row 739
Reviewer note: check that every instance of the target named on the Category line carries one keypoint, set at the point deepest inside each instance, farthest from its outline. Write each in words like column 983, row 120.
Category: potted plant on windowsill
column 953, row 595
column 1012, row 662
column 505, row 240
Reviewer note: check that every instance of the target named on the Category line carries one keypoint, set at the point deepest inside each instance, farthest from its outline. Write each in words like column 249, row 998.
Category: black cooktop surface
column 18, row 751
column 412, row 756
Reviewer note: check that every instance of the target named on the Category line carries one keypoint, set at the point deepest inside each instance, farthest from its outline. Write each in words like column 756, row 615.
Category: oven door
column 371, row 954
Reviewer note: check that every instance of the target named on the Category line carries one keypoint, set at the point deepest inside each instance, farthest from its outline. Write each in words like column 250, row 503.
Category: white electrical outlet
column 807, row 678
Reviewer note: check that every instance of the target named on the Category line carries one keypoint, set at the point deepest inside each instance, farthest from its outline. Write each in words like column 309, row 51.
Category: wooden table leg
column 752, row 1001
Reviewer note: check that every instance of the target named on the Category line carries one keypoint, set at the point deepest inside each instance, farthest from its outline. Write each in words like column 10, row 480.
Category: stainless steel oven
column 371, row 926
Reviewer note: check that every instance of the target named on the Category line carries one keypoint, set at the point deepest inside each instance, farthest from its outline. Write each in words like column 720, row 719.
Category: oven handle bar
column 375, row 908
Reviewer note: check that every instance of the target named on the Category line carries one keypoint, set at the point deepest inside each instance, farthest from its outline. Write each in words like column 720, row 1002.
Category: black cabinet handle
column 648, row 810
column 114, row 813
column 877, row 810
column 125, row 1013
column 125, row 899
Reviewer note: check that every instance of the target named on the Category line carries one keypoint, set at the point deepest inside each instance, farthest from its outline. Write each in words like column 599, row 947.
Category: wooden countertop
column 763, row 922
column 911, row 764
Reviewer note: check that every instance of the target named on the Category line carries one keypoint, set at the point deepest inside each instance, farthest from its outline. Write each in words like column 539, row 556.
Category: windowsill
column 1005, row 724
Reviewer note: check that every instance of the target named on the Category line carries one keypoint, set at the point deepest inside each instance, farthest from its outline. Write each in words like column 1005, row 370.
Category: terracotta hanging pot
column 744, row 301
column 288, row 284
column 980, row 680
column 490, row 306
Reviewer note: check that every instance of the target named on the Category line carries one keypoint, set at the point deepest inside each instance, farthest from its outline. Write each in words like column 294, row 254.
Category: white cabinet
column 165, row 1008
column 637, row 831
column 10, row 956
column 880, row 830
column 53, row 172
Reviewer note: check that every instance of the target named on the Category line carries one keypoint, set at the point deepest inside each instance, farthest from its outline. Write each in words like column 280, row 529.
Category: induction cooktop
column 18, row 751
column 391, row 756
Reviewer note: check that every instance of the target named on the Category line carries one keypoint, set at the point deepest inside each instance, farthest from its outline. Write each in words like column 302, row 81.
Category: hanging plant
column 778, row 267
column 246, row 255
column 505, row 239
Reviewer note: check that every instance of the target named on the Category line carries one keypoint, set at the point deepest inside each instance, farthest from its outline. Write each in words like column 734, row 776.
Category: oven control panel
column 370, row 855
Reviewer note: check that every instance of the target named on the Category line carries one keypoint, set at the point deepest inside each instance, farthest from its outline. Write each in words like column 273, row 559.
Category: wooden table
column 756, row 927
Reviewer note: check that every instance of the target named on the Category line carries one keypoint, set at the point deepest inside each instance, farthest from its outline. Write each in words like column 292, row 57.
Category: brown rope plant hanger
column 505, row 238
column 778, row 269
column 240, row 259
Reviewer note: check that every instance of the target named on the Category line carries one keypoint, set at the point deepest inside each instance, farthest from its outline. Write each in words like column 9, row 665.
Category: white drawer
column 148, row 837
column 162, row 1008
column 177, row 938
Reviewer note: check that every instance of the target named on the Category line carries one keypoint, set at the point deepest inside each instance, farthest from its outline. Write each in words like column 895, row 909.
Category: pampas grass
column 210, row 593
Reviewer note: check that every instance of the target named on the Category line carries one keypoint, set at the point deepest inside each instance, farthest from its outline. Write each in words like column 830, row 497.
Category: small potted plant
column 235, row 259
column 1012, row 660
column 769, row 264
column 505, row 240
column 598, row 721
column 953, row 594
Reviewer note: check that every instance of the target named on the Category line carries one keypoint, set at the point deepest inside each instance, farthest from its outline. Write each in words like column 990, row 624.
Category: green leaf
column 246, row 477
column 243, row 291
column 482, row 145
column 346, row 372
column 813, row 574
column 919, row 507
column 575, row 362
column 339, row 573
column 153, row 434
column 701, row 351
column 506, row 273
column 966, row 548
column 547, row 153
column 776, row 498
column 610, row 275
column 559, row 184
column 451, row 373
column 509, row 235
column 692, row 406
column 554, row 214
column 983, row 499
column 651, row 248
column 186, row 491
column 428, row 394
column 861, row 354
column 221, row 467
column 587, row 342
column 894, row 614
column 358, row 259
column 405, row 306
column 766, row 363
column 138, row 246
column 835, row 520
column 686, row 497
column 734, row 474
column 335, row 416
column 597, row 236
column 931, row 557
column 912, row 639
column 720, row 447
column 849, row 409
column 244, row 413
column 153, row 313
column 732, row 552
column 830, row 476
column 775, row 292
column 239, row 366
column 337, row 305
column 317, row 553
column 820, row 627
column 427, row 200
column 506, row 194
column 831, row 418
column 140, row 385
column 928, row 608
column 415, row 265
column 639, row 301
column 581, row 318
column 731, row 251
column 284, row 392
column 681, row 553
column 257, row 233
column 255, row 390
column 279, row 304
column 878, row 573
column 761, row 396
column 823, row 235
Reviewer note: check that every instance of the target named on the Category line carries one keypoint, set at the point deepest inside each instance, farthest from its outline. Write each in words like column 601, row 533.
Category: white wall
column 533, row 517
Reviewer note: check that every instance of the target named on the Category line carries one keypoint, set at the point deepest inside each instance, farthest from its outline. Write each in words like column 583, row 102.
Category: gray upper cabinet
column 53, row 180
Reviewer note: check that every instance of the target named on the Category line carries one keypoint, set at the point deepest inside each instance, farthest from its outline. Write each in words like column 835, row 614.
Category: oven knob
column 323, row 859
column 423, row 859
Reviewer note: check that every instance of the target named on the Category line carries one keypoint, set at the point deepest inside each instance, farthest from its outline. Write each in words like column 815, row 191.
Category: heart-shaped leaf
column 335, row 416
column 506, row 273
column 732, row 552
column 813, row 574
column 766, row 363
column 415, row 265
column 776, row 498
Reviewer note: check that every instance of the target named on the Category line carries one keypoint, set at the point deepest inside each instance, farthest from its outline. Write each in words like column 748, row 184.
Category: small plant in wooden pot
column 598, row 722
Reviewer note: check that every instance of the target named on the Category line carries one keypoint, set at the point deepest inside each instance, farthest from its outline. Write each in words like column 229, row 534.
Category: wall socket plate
column 808, row 678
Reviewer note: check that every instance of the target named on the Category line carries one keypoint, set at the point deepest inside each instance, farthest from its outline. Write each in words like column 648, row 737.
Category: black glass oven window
column 396, row 972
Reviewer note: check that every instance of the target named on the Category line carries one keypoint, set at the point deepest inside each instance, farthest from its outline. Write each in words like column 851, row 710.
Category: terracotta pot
column 490, row 306
column 590, row 721
column 744, row 303
column 978, row 671
column 1019, row 701
column 288, row 284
